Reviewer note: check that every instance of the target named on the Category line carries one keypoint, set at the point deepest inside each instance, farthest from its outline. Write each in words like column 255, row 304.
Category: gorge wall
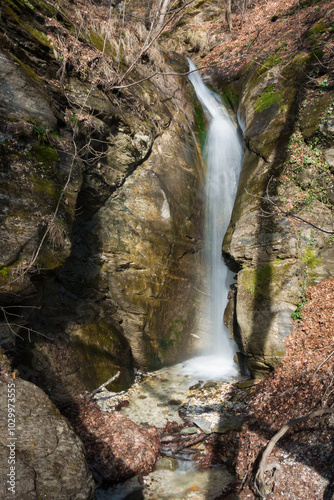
column 102, row 211
column 280, row 239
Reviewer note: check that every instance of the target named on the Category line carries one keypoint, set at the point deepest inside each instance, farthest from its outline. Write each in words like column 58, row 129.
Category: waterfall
column 223, row 154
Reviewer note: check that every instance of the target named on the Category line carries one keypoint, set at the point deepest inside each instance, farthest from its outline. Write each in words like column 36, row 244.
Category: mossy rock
column 312, row 114
column 270, row 62
column 230, row 97
column 269, row 97
column 103, row 351
column 294, row 71
column 313, row 35
column 46, row 155
column 51, row 259
column 262, row 282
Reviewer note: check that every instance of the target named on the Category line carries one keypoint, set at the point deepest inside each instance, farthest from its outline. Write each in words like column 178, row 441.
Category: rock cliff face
column 287, row 176
column 102, row 213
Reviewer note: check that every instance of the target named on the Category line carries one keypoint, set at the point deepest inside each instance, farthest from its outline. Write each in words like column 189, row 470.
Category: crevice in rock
column 192, row 250
column 247, row 142
column 231, row 263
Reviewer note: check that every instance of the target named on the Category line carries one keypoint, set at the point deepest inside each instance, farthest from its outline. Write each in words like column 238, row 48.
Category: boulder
column 48, row 458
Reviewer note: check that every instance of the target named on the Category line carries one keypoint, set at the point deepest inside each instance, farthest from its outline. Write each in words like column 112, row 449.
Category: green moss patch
column 270, row 62
column 103, row 351
column 230, row 97
column 260, row 282
column 314, row 35
column 268, row 98
column 43, row 154
column 200, row 122
column 173, row 335
column 310, row 258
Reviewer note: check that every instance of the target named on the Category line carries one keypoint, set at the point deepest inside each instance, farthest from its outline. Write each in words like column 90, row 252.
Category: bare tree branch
column 259, row 482
column 324, row 361
column 103, row 385
column 146, row 46
column 286, row 213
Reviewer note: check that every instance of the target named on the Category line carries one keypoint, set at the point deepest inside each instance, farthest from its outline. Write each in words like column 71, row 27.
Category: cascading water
column 224, row 154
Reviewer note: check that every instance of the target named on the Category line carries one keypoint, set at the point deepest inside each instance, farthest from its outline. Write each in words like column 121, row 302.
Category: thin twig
column 324, row 361
column 287, row 214
column 103, row 385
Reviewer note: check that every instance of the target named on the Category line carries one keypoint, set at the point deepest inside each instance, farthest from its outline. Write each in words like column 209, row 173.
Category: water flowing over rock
column 223, row 152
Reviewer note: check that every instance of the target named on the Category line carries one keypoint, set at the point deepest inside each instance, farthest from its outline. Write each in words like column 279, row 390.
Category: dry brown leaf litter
column 302, row 383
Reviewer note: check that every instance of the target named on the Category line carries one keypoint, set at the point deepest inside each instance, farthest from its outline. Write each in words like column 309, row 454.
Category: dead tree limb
column 259, row 481
column 171, row 439
column 103, row 385
column 191, row 441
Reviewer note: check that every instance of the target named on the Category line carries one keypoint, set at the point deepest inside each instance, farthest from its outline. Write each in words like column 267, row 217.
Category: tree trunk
column 229, row 14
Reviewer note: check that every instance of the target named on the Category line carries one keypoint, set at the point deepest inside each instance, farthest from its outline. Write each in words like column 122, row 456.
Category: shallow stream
column 160, row 397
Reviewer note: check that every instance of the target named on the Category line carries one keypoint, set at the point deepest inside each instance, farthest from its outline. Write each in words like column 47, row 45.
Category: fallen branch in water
column 171, row 439
column 103, row 385
column 168, row 455
column 191, row 441
column 259, row 481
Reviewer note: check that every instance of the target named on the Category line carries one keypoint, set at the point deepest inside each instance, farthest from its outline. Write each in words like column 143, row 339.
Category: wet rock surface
column 50, row 459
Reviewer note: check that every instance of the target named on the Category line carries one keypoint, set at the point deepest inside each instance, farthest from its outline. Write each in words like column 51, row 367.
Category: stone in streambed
column 210, row 385
column 167, row 463
column 203, row 424
column 224, row 425
column 188, row 431
column 174, row 402
column 229, row 424
column 245, row 384
column 195, row 387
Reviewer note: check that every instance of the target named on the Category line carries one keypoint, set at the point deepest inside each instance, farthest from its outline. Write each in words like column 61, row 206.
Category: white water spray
column 224, row 154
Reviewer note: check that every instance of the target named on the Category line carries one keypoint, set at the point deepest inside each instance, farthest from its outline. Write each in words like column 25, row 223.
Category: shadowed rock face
column 49, row 457
column 112, row 261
